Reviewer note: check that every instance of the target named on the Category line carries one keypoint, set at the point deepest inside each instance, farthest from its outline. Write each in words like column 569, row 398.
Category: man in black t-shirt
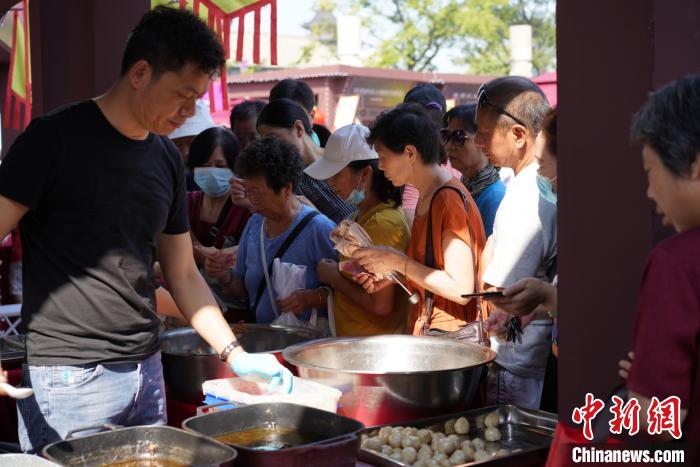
column 96, row 189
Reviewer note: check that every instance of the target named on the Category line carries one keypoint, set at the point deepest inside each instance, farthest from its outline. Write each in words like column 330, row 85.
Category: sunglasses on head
column 458, row 137
column 482, row 100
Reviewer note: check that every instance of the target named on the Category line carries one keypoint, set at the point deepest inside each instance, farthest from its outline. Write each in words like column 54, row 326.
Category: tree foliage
column 322, row 32
column 486, row 48
column 410, row 34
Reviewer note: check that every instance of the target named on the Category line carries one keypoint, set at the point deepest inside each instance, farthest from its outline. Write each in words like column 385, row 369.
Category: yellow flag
column 19, row 75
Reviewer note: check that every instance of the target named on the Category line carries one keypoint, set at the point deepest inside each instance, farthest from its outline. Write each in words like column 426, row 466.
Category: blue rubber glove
column 263, row 367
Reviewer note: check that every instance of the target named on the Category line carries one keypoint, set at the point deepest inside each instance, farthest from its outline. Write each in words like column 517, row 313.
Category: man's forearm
column 197, row 304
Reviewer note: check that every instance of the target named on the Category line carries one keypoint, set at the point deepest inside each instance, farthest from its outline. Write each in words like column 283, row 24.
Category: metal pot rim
column 52, row 446
column 290, row 351
column 307, row 332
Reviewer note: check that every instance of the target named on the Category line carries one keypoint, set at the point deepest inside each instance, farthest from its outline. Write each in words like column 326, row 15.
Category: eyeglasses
column 458, row 137
column 482, row 100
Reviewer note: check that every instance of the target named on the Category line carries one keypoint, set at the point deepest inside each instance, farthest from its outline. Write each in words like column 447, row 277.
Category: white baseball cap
column 196, row 124
column 347, row 144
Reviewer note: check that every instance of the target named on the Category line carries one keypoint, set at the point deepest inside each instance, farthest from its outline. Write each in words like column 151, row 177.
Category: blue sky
column 291, row 14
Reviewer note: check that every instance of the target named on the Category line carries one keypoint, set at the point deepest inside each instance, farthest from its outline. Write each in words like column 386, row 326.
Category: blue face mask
column 213, row 180
column 544, row 185
column 356, row 196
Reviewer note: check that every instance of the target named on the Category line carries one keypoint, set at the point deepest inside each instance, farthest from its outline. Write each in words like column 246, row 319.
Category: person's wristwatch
column 226, row 353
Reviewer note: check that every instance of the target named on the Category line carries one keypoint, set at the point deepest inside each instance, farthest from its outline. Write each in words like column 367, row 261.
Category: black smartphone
column 493, row 294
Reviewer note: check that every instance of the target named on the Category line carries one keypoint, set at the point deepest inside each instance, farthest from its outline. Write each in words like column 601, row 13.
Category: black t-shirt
column 97, row 203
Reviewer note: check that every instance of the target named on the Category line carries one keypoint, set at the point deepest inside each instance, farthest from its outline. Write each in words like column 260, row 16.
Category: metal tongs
column 412, row 297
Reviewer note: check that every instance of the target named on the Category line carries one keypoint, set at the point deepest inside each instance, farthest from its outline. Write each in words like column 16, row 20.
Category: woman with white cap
column 350, row 166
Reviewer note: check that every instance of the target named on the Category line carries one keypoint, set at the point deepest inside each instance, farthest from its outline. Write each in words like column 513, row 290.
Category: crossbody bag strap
column 266, row 272
column 430, row 257
column 215, row 229
column 281, row 251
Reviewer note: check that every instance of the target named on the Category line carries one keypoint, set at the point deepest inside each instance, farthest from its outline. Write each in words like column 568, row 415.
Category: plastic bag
column 287, row 278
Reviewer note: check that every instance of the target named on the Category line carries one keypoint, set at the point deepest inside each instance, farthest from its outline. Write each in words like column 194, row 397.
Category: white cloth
column 524, row 245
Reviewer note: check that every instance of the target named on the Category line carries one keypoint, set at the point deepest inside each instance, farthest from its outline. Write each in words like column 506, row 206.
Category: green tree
column 409, row 34
column 417, row 30
column 486, row 47
column 322, row 30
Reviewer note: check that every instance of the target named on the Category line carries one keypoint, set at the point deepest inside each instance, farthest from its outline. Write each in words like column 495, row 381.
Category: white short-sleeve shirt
column 524, row 245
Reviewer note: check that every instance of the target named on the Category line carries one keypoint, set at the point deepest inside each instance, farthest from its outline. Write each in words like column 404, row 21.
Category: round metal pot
column 188, row 361
column 151, row 445
column 392, row 378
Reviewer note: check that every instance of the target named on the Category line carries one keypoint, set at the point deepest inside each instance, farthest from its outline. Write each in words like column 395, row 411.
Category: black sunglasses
column 482, row 100
column 458, row 137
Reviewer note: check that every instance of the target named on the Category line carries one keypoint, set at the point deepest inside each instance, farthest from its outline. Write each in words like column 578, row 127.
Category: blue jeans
column 68, row 398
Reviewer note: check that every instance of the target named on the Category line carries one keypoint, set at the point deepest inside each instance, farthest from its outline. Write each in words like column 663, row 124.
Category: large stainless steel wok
column 386, row 379
column 188, row 360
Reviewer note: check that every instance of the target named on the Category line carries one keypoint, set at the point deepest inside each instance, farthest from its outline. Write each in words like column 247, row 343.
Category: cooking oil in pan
column 270, row 438
column 147, row 463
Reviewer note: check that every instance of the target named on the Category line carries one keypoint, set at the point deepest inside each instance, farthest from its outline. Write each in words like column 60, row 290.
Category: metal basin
column 388, row 379
column 188, row 360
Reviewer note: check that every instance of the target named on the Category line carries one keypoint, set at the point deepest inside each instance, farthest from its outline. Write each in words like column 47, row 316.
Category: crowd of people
column 479, row 180
column 455, row 202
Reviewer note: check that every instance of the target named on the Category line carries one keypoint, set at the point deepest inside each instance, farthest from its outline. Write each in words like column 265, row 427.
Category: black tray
column 528, row 431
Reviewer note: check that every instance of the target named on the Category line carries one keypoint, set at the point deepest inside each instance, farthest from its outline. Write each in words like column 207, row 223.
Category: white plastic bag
column 287, row 278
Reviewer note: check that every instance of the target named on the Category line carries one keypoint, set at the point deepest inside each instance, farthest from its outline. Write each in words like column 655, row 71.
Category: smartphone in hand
column 486, row 295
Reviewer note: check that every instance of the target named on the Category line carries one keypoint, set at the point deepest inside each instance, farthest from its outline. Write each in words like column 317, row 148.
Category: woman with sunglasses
column 447, row 223
column 479, row 176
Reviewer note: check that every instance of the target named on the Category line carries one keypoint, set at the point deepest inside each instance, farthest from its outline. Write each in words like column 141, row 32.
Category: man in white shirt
column 523, row 244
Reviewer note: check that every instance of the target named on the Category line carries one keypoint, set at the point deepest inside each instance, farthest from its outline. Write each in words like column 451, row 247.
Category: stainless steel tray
column 528, row 431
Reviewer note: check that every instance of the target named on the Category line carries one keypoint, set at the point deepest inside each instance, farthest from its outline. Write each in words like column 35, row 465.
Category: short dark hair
column 169, row 39
column 428, row 96
column 296, row 90
column 433, row 101
column 466, row 114
column 407, row 124
column 322, row 132
column 204, row 144
column 275, row 159
column 519, row 97
column 282, row 113
column 549, row 128
column 246, row 110
column 381, row 186
column 669, row 122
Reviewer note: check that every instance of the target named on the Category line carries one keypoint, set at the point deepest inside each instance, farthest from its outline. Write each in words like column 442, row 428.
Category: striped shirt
column 324, row 198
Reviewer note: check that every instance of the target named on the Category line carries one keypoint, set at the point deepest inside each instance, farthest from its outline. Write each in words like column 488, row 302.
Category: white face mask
column 213, row 180
column 356, row 196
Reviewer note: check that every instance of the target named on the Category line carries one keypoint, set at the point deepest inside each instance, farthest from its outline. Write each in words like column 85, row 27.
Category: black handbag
column 473, row 331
